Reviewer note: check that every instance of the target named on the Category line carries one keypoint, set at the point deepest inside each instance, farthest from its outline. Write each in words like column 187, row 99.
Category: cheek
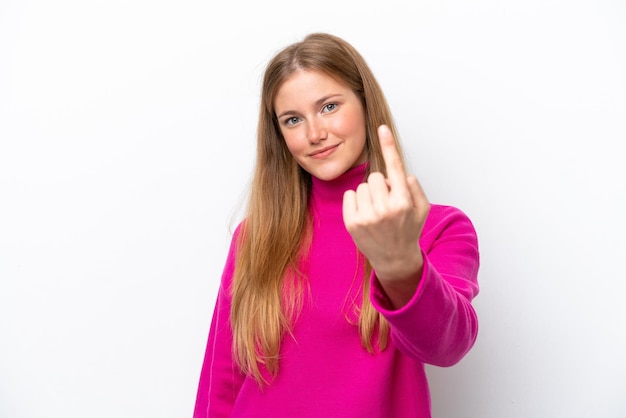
column 294, row 145
column 353, row 123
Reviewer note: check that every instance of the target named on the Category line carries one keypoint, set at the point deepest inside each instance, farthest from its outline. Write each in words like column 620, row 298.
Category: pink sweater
column 324, row 371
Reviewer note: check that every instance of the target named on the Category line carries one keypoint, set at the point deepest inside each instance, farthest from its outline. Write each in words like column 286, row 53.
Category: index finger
column 391, row 155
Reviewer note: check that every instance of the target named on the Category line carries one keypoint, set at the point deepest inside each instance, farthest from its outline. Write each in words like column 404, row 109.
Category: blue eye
column 291, row 121
column 329, row 107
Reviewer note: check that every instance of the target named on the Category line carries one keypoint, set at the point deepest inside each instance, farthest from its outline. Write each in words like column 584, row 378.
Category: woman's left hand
column 385, row 218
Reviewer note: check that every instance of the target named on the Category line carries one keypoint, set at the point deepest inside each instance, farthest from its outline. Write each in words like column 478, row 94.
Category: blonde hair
column 268, row 289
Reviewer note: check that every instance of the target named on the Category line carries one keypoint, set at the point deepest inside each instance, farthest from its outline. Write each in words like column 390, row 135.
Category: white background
column 127, row 138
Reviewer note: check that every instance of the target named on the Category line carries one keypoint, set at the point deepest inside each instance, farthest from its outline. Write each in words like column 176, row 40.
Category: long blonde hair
column 268, row 288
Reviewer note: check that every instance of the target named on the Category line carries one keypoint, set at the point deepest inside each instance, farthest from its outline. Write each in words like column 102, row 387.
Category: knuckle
column 401, row 206
column 363, row 222
column 380, row 209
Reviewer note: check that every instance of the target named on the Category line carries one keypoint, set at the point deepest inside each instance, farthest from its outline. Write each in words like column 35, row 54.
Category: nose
column 316, row 132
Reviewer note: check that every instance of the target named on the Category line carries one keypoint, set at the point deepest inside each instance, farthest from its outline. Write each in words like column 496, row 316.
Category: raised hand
column 385, row 218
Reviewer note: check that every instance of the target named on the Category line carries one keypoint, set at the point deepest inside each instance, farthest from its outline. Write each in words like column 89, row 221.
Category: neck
column 333, row 190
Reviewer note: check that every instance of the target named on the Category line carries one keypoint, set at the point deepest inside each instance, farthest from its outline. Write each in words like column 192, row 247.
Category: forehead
column 306, row 87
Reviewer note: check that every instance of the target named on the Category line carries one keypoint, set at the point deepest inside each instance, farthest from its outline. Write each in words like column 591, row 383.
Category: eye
column 291, row 121
column 329, row 107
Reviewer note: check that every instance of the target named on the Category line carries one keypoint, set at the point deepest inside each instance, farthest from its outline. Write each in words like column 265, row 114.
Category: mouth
column 324, row 152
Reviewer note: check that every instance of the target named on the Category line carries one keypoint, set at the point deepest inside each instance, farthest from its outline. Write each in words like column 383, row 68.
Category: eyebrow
column 317, row 103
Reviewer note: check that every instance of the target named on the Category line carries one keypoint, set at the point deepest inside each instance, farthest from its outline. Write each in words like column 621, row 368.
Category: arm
column 438, row 324
column 220, row 378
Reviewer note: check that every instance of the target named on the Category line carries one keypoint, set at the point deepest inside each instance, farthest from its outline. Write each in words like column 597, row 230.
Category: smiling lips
column 324, row 152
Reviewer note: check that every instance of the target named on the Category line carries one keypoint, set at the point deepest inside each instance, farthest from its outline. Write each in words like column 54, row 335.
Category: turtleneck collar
column 333, row 190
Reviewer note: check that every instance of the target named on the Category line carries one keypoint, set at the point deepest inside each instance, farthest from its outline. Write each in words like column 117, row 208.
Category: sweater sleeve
column 220, row 378
column 438, row 325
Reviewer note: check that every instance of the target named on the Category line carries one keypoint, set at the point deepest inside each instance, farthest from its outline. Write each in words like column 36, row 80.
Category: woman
column 343, row 280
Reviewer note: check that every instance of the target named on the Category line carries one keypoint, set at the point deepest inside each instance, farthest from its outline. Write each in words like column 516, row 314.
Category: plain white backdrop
column 127, row 138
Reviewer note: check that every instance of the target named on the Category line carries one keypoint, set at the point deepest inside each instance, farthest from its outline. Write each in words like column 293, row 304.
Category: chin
column 327, row 173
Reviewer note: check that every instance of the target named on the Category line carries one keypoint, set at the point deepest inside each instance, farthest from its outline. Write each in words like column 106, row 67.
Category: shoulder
column 236, row 235
column 447, row 220
column 233, row 250
column 445, row 213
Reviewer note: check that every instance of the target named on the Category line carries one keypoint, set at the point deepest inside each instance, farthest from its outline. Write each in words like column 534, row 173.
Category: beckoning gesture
column 273, row 323
column 385, row 218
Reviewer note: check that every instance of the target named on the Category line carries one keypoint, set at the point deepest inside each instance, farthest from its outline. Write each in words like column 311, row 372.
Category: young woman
column 343, row 280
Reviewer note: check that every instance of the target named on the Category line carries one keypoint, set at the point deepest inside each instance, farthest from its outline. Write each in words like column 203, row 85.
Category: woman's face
column 323, row 123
